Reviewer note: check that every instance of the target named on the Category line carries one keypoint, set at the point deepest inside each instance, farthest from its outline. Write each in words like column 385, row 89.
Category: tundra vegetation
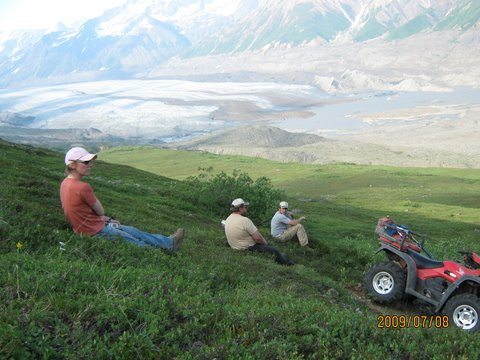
column 67, row 296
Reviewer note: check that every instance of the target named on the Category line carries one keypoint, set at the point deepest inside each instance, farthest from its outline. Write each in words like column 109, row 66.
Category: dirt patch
column 408, row 306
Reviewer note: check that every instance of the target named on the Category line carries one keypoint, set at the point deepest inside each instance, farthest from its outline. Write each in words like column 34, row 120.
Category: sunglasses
column 84, row 162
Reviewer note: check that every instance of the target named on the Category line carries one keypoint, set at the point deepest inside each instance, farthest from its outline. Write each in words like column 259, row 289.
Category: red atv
column 452, row 288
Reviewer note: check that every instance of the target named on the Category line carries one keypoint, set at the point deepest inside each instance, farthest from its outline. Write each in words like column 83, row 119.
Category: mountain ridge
column 272, row 143
column 257, row 136
column 132, row 41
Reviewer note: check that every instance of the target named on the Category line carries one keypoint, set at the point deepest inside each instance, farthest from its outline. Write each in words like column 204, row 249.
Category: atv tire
column 463, row 311
column 386, row 282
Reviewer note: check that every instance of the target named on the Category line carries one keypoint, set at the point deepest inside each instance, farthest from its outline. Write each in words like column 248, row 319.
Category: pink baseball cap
column 78, row 154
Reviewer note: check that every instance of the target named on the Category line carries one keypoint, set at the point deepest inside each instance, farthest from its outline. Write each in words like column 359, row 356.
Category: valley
column 350, row 110
column 434, row 129
column 394, row 83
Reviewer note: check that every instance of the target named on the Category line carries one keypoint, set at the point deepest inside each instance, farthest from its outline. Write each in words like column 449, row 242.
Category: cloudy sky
column 38, row 14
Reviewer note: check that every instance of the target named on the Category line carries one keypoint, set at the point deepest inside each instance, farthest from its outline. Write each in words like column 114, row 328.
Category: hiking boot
column 308, row 249
column 177, row 238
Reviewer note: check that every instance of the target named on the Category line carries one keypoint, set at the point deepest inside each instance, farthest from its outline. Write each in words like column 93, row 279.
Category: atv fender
column 453, row 287
column 411, row 272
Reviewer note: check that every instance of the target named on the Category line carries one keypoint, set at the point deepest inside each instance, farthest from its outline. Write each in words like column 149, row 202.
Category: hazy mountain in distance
column 259, row 141
column 93, row 52
column 283, row 146
column 133, row 41
column 291, row 23
column 254, row 136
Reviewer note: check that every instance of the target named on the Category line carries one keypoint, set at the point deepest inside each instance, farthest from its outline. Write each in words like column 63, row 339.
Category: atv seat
column 424, row 262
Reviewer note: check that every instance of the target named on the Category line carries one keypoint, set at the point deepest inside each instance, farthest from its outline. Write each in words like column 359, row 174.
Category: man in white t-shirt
column 242, row 234
column 284, row 227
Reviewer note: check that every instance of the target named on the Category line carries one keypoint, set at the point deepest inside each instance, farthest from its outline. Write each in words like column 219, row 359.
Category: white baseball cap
column 78, row 154
column 284, row 205
column 239, row 202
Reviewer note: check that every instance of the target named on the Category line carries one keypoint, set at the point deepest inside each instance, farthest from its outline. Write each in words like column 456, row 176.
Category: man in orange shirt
column 85, row 212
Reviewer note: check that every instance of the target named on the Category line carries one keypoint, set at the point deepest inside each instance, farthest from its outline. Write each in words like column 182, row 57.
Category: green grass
column 348, row 198
column 103, row 299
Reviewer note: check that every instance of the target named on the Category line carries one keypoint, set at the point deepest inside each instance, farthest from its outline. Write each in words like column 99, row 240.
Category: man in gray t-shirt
column 242, row 234
column 284, row 227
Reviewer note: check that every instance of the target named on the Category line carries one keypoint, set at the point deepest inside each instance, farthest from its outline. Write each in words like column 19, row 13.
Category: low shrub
column 215, row 192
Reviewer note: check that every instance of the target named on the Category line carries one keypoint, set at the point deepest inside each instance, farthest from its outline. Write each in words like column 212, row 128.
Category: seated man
column 242, row 234
column 284, row 227
column 86, row 214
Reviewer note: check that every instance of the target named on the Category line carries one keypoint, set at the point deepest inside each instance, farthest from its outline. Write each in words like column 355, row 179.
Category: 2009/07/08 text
column 412, row 321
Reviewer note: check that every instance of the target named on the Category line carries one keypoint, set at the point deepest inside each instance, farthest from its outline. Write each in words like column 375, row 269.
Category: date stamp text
column 412, row 321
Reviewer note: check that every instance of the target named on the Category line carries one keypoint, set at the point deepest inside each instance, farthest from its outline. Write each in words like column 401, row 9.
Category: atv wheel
column 464, row 311
column 386, row 282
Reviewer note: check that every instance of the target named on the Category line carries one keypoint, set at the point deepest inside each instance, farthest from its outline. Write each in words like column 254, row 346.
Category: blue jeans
column 135, row 236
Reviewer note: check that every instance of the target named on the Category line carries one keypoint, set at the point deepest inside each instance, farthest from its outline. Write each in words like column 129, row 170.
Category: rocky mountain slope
column 135, row 40
column 256, row 136
column 184, row 68
column 279, row 145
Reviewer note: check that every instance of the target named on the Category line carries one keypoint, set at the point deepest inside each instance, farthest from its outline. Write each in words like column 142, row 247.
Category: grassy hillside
column 345, row 200
column 102, row 299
